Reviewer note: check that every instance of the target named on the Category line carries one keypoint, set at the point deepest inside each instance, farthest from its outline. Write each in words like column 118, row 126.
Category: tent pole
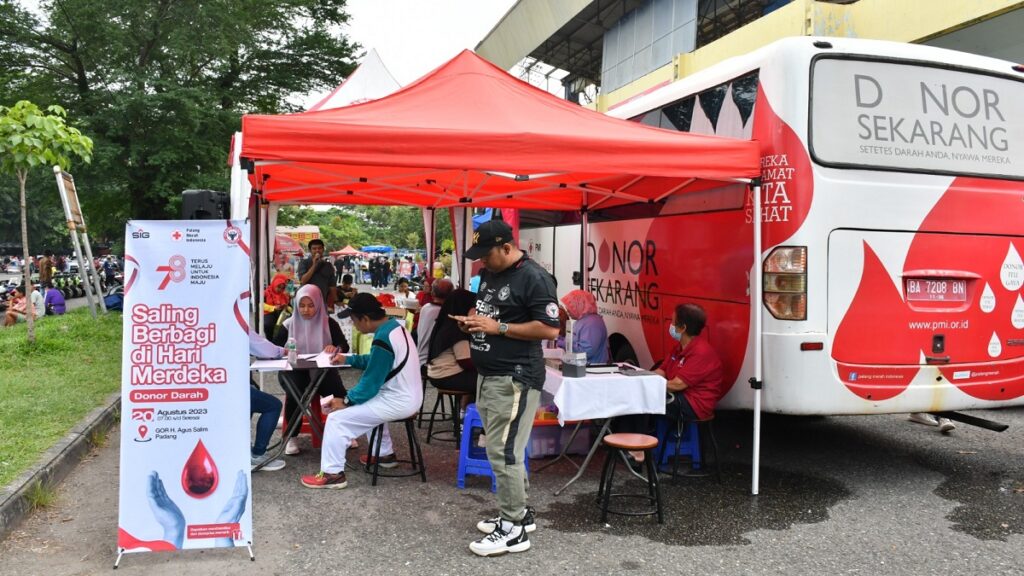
column 584, row 238
column 261, row 264
column 757, row 308
column 428, row 274
column 463, row 278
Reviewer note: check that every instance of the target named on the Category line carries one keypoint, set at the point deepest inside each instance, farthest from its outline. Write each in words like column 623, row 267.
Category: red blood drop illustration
column 604, row 256
column 199, row 477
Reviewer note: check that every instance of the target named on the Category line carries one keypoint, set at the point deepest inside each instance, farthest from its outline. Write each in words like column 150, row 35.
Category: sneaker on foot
column 270, row 466
column 924, row 418
column 945, row 426
column 502, row 541
column 488, row 526
column 389, row 461
column 292, row 447
column 325, row 480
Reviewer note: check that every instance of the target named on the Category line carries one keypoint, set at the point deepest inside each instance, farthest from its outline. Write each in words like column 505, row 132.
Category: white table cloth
column 605, row 395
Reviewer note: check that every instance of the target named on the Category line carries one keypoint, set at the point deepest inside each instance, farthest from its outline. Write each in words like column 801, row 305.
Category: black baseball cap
column 362, row 304
column 490, row 234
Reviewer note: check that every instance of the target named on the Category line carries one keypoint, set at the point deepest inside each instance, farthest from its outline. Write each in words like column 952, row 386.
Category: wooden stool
column 415, row 453
column 617, row 445
column 454, row 398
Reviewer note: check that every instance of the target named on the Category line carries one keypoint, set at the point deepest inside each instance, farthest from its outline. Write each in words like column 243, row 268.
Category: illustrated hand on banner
column 169, row 516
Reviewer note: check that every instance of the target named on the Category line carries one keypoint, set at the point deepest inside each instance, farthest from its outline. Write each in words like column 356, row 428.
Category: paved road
column 841, row 495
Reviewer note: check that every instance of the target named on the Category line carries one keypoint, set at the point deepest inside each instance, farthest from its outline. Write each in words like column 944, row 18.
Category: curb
column 55, row 464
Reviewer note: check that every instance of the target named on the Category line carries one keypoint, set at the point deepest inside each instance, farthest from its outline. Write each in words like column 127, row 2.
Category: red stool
column 314, row 407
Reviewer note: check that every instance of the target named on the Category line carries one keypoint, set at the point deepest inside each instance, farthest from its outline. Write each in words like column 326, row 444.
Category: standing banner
column 185, row 459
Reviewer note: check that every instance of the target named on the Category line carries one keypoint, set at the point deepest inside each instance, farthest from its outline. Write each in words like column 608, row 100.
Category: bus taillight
column 785, row 282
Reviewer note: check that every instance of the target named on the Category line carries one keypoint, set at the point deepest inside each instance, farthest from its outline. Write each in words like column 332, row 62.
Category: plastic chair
column 314, row 407
column 473, row 459
column 678, row 439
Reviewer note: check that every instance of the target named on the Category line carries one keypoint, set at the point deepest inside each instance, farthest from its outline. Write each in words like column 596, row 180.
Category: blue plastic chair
column 472, row 458
column 672, row 444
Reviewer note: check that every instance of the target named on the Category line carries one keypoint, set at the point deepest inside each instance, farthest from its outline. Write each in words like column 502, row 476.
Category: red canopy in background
column 348, row 250
column 469, row 134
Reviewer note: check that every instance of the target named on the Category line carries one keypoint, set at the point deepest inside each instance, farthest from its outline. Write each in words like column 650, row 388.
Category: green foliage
column 361, row 225
column 30, row 138
column 78, row 360
column 161, row 85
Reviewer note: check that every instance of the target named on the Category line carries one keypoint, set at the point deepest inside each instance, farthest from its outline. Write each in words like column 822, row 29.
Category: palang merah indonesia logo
column 175, row 270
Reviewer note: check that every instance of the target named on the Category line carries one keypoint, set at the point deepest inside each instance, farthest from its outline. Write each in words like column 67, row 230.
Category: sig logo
column 140, row 234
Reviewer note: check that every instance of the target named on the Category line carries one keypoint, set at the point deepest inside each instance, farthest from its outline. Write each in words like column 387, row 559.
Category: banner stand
column 76, row 222
column 185, row 477
column 249, row 546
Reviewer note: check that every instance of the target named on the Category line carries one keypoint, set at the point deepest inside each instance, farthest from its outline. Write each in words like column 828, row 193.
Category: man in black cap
column 516, row 308
column 318, row 272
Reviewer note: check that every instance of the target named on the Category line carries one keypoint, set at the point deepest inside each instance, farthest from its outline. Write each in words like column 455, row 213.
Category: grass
column 48, row 387
column 40, row 496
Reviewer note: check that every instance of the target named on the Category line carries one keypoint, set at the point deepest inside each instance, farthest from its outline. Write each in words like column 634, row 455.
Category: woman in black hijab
column 448, row 362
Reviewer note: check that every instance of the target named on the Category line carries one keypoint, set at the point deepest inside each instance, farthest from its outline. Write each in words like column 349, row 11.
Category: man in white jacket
column 390, row 389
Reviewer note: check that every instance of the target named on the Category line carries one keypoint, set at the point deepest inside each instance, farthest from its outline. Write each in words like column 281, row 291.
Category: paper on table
column 323, row 360
column 270, row 365
column 308, row 356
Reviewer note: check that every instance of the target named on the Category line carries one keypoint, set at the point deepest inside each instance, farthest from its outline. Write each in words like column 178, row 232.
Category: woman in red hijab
column 275, row 300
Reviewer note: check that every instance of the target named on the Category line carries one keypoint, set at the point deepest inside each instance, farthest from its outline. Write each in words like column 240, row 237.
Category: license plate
column 936, row 290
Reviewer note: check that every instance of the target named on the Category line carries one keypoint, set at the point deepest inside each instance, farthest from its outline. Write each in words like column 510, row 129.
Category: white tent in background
column 370, row 81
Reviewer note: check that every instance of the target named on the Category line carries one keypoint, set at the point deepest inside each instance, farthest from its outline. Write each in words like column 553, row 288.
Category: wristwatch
column 502, row 328
column 346, row 401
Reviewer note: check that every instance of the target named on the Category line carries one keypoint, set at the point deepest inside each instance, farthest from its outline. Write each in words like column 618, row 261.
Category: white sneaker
column 270, row 466
column 292, row 447
column 515, row 539
column 924, row 418
column 481, row 441
column 488, row 526
column 945, row 426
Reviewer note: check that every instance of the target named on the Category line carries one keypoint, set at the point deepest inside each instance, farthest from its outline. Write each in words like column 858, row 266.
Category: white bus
column 893, row 211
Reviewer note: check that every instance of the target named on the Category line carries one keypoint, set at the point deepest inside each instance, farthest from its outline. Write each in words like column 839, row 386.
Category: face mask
column 673, row 332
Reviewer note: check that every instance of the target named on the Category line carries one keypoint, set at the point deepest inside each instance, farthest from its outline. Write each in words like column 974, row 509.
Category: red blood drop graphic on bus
column 787, row 185
column 200, row 476
column 967, row 235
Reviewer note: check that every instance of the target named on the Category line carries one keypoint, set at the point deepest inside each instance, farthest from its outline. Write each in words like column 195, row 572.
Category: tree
column 162, row 84
column 30, row 138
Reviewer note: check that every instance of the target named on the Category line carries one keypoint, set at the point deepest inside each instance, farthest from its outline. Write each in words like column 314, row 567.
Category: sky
column 413, row 37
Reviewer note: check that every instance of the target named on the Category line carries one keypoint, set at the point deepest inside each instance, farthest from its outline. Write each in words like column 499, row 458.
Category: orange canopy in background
column 469, row 134
column 348, row 250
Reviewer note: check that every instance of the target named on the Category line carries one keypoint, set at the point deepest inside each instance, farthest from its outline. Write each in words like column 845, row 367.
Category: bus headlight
column 785, row 282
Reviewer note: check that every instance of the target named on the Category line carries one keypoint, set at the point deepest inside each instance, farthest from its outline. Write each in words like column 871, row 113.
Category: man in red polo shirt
column 693, row 370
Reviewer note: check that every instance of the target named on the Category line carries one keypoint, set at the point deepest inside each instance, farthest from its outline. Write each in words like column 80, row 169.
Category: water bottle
column 293, row 354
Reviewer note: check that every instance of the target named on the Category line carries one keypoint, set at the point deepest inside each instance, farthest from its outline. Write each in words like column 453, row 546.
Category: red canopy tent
column 468, row 134
column 348, row 250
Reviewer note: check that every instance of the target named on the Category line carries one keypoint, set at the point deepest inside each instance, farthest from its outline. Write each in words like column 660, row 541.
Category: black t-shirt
column 323, row 278
column 521, row 293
